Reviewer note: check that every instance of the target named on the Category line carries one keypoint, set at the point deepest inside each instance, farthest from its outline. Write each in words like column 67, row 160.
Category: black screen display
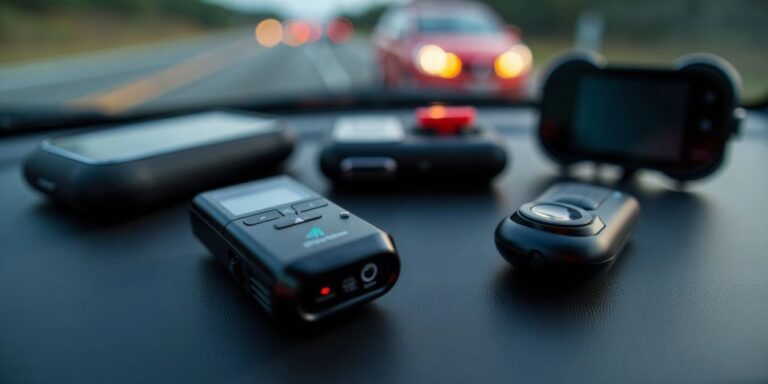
column 640, row 118
column 263, row 199
column 139, row 140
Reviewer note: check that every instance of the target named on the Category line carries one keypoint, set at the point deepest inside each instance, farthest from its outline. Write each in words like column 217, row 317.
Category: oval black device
column 141, row 164
column 571, row 224
column 299, row 255
column 676, row 120
column 381, row 149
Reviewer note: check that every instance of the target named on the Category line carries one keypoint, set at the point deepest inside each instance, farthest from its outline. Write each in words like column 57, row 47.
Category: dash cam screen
column 642, row 118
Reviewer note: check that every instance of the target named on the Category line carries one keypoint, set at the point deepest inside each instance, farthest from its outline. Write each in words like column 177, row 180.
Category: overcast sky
column 317, row 9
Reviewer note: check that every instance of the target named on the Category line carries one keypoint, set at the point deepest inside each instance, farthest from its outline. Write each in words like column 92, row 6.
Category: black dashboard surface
column 141, row 300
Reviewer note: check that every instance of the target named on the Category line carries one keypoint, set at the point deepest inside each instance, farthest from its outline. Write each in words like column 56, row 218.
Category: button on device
column 290, row 221
column 310, row 205
column 262, row 217
column 584, row 198
column 570, row 199
column 287, row 211
column 555, row 212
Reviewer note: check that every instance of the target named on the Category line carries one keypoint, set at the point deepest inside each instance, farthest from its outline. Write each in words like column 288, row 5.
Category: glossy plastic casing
column 525, row 241
column 703, row 150
column 122, row 186
column 285, row 270
column 473, row 157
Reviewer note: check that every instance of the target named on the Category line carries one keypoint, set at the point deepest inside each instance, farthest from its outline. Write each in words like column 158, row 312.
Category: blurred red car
column 445, row 44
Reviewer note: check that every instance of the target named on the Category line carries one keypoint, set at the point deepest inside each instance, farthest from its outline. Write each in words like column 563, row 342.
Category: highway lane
column 217, row 68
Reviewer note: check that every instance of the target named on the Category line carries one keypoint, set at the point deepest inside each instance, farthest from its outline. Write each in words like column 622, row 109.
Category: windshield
column 126, row 56
column 458, row 24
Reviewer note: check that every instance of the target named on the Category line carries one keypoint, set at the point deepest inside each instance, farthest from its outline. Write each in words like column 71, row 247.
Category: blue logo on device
column 315, row 233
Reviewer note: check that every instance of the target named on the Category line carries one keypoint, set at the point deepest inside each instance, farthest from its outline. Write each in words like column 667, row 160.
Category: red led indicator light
column 325, row 291
column 445, row 120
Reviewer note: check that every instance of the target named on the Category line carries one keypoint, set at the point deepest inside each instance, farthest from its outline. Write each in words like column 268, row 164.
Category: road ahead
column 222, row 67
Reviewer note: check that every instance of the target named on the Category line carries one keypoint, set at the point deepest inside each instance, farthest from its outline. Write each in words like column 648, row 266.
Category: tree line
column 647, row 19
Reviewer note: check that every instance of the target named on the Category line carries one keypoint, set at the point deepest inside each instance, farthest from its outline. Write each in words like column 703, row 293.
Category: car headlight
column 435, row 61
column 514, row 62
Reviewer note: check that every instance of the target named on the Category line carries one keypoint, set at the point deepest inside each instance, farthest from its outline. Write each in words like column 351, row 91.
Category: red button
column 445, row 120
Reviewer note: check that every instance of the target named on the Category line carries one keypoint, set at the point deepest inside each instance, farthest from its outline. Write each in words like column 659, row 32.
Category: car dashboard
column 140, row 299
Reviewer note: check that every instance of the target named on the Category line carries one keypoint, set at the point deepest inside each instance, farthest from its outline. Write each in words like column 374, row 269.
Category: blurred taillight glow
column 269, row 32
column 435, row 61
column 296, row 33
column 340, row 30
column 514, row 62
column 315, row 31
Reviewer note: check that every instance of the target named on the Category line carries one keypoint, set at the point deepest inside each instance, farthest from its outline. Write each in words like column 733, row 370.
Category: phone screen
column 149, row 138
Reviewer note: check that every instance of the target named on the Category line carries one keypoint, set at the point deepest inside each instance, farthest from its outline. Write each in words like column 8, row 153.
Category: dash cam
column 675, row 120
column 571, row 225
column 299, row 255
column 446, row 145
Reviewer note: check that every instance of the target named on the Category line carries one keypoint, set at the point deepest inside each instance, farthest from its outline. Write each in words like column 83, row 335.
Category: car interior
column 394, row 191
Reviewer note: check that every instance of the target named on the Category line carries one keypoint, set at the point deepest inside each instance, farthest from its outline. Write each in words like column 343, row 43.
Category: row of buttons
column 290, row 216
column 290, row 221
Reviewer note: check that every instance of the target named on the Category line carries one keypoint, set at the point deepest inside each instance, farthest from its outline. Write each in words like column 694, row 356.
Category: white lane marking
column 156, row 84
column 110, row 62
column 333, row 74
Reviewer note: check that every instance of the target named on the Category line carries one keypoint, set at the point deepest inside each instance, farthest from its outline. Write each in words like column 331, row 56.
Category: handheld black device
column 570, row 225
column 675, row 120
column 370, row 149
column 145, row 163
column 299, row 255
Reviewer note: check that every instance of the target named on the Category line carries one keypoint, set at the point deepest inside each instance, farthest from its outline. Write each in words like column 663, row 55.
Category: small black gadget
column 445, row 146
column 140, row 164
column 676, row 120
column 570, row 225
column 299, row 255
